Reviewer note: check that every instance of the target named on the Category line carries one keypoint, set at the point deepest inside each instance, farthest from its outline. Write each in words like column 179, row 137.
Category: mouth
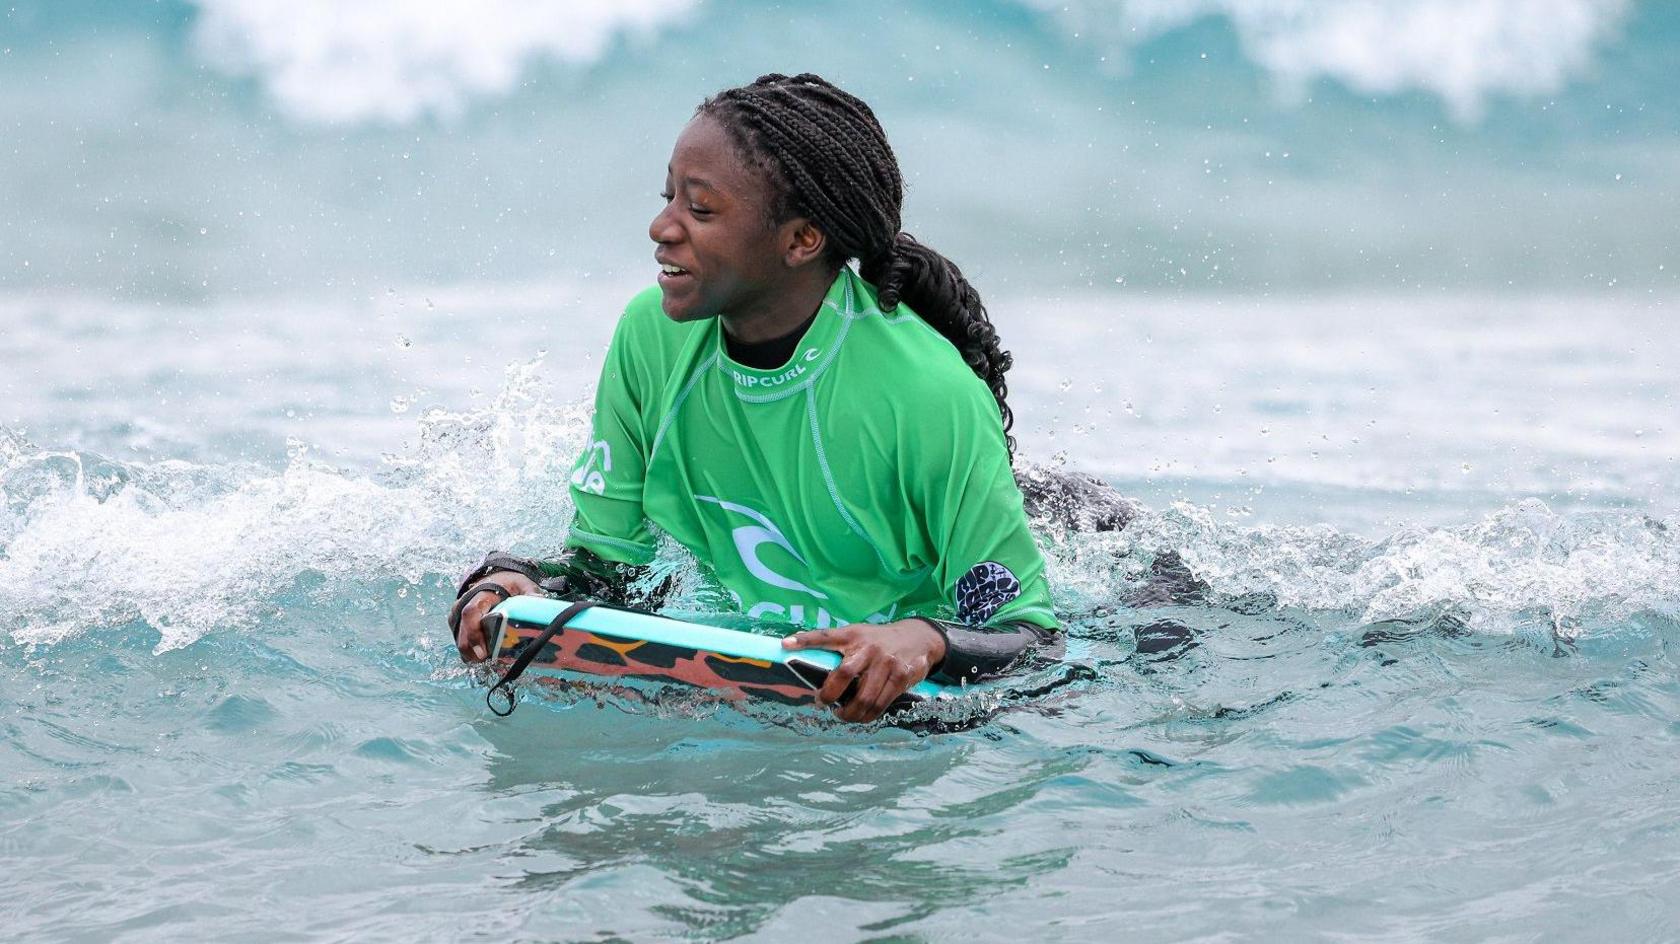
column 670, row 274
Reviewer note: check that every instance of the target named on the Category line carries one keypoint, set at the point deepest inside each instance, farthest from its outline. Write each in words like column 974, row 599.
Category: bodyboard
column 611, row 643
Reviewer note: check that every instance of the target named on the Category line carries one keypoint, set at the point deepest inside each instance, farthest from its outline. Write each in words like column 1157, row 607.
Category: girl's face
column 715, row 228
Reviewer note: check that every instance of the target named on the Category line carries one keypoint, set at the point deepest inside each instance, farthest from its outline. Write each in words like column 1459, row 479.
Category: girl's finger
column 836, row 639
column 873, row 694
column 840, row 679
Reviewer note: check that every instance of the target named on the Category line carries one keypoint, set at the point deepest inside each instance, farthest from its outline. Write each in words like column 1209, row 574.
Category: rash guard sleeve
column 985, row 561
column 608, row 480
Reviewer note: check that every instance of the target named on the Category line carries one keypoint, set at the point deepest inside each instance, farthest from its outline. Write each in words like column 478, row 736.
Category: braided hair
column 828, row 160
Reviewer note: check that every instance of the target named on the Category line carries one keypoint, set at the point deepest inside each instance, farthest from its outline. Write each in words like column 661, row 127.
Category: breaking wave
column 88, row 542
column 1462, row 52
column 394, row 62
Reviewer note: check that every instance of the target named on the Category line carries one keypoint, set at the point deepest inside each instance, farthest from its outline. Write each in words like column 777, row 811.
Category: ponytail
column 934, row 288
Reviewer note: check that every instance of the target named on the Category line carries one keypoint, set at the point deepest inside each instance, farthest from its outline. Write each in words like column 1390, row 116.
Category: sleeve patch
column 984, row 590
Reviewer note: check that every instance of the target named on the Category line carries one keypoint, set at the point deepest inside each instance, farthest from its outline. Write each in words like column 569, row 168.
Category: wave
column 1521, row 567
column 393, row 62
column 188, row 549
column 1460, row 51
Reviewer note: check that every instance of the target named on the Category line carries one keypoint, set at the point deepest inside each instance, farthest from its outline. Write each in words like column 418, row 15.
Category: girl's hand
column 884, row 659
column 470, row 639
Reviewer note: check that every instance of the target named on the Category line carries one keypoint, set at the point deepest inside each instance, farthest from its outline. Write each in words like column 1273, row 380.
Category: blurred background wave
column 190, row 150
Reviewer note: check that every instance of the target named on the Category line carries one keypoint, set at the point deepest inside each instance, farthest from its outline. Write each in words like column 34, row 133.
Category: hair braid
column 828, row 160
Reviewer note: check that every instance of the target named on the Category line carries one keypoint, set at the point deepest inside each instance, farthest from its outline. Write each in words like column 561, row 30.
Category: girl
column 832, row 442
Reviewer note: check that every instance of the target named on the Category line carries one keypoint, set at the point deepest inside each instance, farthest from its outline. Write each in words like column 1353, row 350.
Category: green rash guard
column 867, row 479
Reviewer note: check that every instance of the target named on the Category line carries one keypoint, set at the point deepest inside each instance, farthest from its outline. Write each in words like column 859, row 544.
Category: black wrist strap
column 528, row 653
column 496, row 560
column 467, row 597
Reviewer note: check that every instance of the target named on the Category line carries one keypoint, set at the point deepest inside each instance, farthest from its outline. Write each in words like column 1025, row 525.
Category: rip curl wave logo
column 984, row 590
column 787, row 376
column 750, row 538
column 585, row 477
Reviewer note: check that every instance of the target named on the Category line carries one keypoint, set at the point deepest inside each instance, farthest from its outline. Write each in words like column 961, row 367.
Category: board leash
column 524, row 660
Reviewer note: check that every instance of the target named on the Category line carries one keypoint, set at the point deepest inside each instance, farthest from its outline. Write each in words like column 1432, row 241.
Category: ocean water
column 1368, row 306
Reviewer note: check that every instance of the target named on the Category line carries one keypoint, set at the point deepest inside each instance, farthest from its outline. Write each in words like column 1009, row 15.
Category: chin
column 685, row 308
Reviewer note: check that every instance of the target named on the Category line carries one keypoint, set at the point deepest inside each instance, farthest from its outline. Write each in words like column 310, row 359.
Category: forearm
column 973, row 653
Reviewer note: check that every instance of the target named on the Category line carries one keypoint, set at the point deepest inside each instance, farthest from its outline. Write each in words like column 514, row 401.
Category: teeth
column 672, row 270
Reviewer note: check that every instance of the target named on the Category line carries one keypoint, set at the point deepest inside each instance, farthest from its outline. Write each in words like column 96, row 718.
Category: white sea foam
column 1460, row 50
column 1519, row 567
column 190, row 548
column 394, row 61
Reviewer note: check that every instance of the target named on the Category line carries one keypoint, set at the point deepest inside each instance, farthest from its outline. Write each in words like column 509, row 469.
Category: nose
column 665, row 228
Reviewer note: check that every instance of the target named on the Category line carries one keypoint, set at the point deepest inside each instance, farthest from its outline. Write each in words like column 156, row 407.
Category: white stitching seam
column 640, row 549
column 828, row 477
column 665, row 423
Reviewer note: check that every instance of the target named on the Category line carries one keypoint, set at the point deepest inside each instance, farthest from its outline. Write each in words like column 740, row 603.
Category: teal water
column 1371, row 317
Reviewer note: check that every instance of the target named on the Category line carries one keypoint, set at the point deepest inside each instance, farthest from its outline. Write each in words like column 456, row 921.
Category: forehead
column 706, row 150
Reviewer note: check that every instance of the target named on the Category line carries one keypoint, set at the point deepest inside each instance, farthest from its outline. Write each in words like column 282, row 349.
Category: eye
column 694, row 209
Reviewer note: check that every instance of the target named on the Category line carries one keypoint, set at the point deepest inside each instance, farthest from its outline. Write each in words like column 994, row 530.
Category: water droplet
column 400, row 404
column 404, row 342
column 1465, row 468
column 1067, row 384
column 204, row 231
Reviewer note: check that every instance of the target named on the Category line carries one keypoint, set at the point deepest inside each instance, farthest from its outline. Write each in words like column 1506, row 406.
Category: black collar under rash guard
column 766, row 355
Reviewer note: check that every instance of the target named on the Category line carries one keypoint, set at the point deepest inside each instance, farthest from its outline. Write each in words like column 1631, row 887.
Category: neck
column 781, row 310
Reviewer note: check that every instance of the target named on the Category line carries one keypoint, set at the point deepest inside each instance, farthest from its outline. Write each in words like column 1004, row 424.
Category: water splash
column 1497, row 575
column 188, row 549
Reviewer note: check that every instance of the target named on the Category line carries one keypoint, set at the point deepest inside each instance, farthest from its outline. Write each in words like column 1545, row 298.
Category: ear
column 802, row 242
